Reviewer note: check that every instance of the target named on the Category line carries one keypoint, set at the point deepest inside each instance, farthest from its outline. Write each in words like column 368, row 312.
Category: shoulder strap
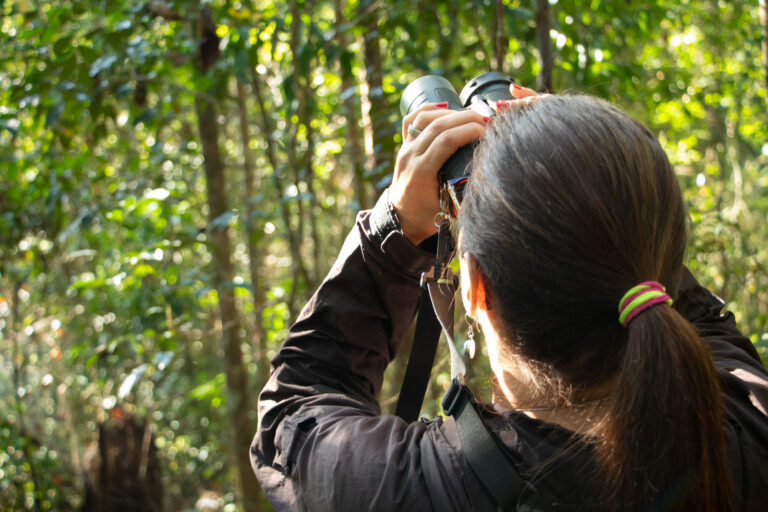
column 492, row 467
column 435, row 313
column 425, row 340
column 488, row 460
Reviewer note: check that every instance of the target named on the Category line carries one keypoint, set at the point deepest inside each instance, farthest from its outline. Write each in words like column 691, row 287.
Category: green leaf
column 91, row 360
column 143, row 270
column 208, row 389
column 89, row 283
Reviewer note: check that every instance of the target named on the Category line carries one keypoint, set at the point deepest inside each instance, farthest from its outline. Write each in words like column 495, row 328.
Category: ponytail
column 663, row 443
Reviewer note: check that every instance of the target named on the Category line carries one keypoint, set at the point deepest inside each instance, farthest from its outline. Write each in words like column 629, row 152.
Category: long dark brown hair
column 571, row 204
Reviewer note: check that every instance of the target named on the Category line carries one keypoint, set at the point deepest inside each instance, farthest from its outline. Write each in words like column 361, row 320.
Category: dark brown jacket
column 323, row 445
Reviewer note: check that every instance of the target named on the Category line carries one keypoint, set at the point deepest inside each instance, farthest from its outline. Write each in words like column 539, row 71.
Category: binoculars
column 480, row 94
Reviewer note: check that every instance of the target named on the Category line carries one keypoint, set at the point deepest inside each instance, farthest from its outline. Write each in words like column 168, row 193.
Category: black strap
column 492, row 467
column 425, row 339
column 427, row 332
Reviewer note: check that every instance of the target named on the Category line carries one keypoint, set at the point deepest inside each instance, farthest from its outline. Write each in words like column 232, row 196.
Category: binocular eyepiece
column 480, row 94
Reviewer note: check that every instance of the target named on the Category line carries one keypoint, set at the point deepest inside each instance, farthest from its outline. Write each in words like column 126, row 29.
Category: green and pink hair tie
column 641, row 297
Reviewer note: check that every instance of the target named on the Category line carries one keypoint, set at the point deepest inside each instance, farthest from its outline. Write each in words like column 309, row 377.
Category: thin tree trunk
column 19, row 382
column 349, row 106
column 383, row 142
column 501, row 42
column 309, row 180
column 718, row 137
column 302, row 167
column 253, row 233
column 764, row 24
column 267, row 130
column 223, row 273
column 293, row 159
column 544, row 44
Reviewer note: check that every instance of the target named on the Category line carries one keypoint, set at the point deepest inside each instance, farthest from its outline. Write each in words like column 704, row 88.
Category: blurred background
column 177, row 176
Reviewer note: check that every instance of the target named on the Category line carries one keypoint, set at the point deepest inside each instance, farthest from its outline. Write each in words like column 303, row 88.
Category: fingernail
column 517, row 87
column 486, row 119
column 502, row 104
column 442, row 104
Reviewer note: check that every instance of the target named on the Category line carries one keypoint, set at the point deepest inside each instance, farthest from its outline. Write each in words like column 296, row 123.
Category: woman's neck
column 520, row 389
column 581, row 418
column 538, row 394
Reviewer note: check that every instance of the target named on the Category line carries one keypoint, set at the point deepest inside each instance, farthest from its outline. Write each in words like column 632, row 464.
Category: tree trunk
column 314, row 232
column 501, row 42
column 302, row 166
column 223, row 273
column 253, row 234
column 764, row 24
column 383, row 151
column 19, row 359
column 267, row 129
column 292, row 145
column 544, row 44
column 122, row 471
column 350, row 105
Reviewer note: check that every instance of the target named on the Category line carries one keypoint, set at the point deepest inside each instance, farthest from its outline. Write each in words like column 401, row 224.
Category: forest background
column 177, row 177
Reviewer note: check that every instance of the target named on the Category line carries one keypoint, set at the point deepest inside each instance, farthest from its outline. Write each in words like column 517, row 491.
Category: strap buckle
column 452, row 396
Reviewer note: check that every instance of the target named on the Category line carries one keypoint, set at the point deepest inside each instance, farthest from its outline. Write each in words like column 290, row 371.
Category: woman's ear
column 473, row 293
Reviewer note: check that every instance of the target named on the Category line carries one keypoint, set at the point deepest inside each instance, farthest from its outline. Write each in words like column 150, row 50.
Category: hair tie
column 640, row 298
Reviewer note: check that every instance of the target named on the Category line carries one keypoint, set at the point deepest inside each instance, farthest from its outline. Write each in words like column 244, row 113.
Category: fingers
column 436, row 127
column 448, row 141
column 521, row 92
column 427, row 107
column 423, row 119
column 522, row 95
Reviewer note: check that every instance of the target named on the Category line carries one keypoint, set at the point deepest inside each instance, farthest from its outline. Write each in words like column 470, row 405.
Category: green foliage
column 106, row 293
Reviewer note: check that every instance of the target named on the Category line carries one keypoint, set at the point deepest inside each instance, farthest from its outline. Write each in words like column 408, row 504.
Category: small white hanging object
column 469, row 348
column 469, row 345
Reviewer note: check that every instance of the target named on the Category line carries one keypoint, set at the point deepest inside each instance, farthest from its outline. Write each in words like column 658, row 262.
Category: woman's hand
column 415, row 193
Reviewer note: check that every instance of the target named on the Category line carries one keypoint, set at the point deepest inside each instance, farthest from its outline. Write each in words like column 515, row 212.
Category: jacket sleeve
column 321, row 443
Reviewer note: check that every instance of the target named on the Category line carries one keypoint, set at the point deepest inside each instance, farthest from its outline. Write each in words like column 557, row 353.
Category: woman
column 570, row 206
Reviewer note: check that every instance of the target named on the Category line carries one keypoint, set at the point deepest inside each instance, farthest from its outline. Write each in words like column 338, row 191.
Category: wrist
column 415, row 226
column 382, row 228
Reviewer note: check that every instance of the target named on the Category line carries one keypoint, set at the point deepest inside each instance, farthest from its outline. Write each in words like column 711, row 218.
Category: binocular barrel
column 491, row 87
column 481, row 93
